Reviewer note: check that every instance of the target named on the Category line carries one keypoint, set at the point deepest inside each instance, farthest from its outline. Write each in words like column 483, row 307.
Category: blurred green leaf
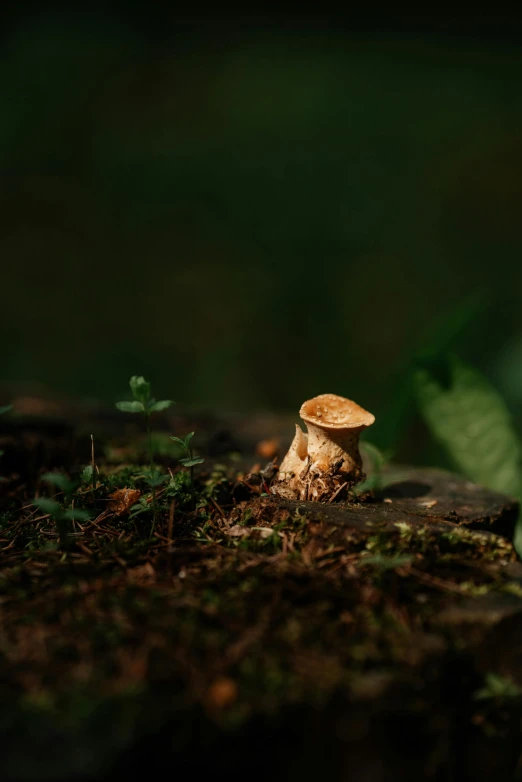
column 87, row 474
column 140, row 389
column 372, row 483
column 496, row 686
column 442, row 337
column 471, row 420
column 375, row 456
column 163, row 404
column 5, row 409
column 76, row 514
column 154, row 478
column 191, row 462
column 59, row 480
column 130, row 407
column 48, row 506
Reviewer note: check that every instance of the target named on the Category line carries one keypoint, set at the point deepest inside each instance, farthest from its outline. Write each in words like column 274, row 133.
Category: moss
column 295, row 612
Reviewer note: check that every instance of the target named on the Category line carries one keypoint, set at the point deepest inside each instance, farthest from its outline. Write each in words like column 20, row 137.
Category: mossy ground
column 237, row 619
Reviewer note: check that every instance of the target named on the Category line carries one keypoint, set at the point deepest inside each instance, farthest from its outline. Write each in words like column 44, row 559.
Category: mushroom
column 318, row 466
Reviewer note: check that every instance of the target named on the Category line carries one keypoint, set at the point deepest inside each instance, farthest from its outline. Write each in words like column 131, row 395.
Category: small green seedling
column 154, row 479
column 87, row 476
column 496, row 686
column 143, row 403
column 189, row 460
column 61, row 516
column 146, row 405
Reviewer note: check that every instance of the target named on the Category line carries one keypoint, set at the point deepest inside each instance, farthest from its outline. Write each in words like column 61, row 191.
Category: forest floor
column 375, row 638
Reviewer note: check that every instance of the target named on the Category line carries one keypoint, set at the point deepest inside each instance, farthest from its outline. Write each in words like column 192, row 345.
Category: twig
column 217, row 507
column 93, row 467
column 171, row 519
column 337, row 491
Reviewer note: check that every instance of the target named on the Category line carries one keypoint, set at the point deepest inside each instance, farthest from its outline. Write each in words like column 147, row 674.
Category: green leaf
column 372, row 483
column 191, row 462
column 59, row 480
column 156, row 407
column 140, row 388
column 188, row 438
column 48, row 506
column 131, row 407
column 154, row 478
column 377, row 458
column 87, row 474
column 5, row 409
column 178, row 440
column 77, row 514
column 443, row 337
column 471, row 420
column 140, row 507
column 496, row 686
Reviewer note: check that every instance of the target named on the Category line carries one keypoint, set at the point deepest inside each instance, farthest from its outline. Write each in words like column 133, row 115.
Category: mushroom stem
column 322, row 465
column 327, row 447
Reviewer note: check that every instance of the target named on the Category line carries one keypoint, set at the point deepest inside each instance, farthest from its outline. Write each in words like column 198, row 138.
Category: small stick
column 171, row 520
column 93, row 466
column 337, row 491
column 217, row 507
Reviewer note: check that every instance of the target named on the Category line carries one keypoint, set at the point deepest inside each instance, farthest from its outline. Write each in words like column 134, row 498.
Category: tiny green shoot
column 189, row 460
column 144, row 404
column 496, row 686
column 62, row 482
column 61, row 516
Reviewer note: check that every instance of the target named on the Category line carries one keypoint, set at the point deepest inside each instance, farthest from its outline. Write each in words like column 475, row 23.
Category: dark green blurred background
column 250, row 214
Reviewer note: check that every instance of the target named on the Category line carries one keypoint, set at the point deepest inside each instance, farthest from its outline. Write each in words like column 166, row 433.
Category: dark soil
column 373, row 639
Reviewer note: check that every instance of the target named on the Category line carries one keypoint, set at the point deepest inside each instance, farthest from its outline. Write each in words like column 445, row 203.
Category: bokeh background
column 252, row 211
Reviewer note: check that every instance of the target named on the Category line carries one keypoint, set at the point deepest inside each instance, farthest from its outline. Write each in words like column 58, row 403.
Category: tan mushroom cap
column 330, row 411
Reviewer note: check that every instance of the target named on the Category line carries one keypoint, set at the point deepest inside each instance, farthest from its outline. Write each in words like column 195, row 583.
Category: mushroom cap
column 330, row 411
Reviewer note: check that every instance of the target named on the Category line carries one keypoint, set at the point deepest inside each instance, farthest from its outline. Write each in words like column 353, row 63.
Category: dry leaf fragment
column 267, row 449
column 222, row 692
column 123, row 500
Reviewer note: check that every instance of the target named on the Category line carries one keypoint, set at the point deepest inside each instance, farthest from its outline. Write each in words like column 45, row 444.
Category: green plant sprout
column 496, row 686
column 61, row 516
column 62, row 482
column 190, row 460
column 87, row 477
column 88, row 474
column 146, row 405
